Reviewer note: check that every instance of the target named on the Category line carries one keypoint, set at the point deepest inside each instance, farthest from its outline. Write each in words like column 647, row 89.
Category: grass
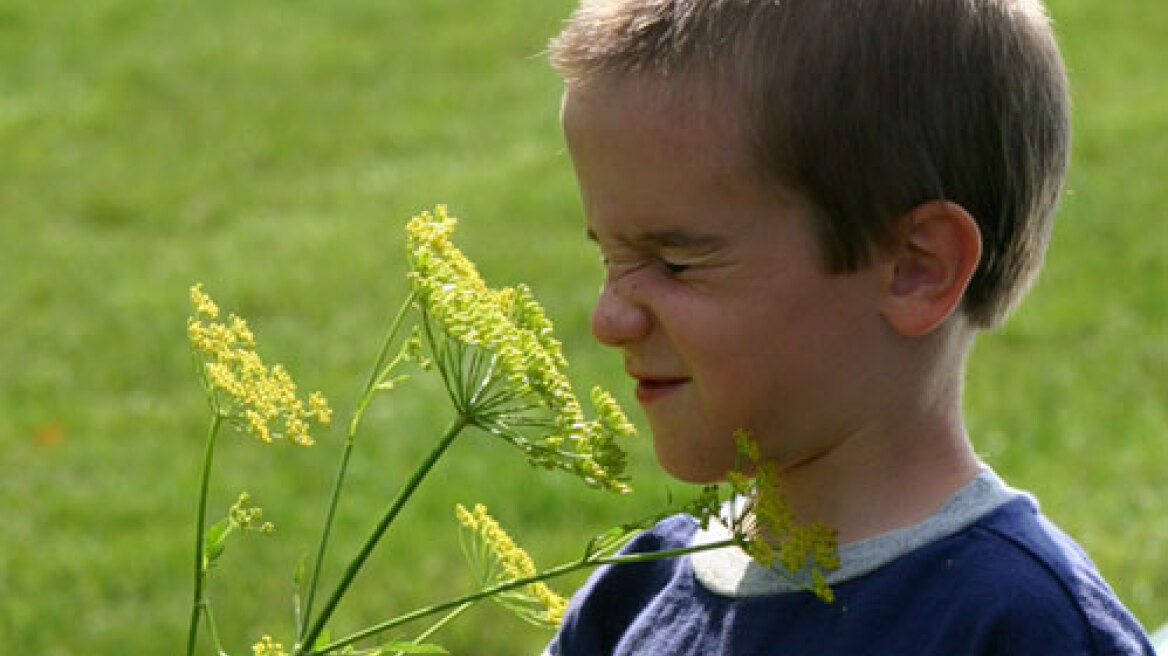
column 273, row 151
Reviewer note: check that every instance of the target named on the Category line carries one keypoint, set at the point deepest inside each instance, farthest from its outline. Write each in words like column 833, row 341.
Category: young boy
column 807, row 210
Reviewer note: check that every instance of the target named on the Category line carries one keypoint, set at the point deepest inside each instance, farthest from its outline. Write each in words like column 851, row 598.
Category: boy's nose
column 618, row 319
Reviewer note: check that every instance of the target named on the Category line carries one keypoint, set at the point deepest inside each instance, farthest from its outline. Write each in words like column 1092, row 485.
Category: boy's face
column 714, row 289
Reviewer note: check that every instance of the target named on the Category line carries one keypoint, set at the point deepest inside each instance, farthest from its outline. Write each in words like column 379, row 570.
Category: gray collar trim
column 731, row 572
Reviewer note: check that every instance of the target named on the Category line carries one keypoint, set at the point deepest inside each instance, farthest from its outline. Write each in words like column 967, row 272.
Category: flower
column 268, row 647
column 318, row 407
column 497, row 559
column 247, row 517
column 768, row 531
column 242, row 517
column 262, row 400
column 202, row 303
column 497, row 352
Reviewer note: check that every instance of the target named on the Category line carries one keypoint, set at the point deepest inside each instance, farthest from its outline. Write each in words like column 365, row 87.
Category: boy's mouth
column 650, row 389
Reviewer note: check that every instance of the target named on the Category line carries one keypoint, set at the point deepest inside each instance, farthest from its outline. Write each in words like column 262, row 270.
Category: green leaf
column 215, row 541
column 323, row 639
column 610, row 540
column 413, row 648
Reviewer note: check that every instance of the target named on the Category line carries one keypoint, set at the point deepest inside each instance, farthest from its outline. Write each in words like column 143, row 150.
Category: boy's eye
column 620, row 266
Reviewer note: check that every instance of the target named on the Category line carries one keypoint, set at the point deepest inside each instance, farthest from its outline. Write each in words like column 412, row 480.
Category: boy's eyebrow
column 667, row 238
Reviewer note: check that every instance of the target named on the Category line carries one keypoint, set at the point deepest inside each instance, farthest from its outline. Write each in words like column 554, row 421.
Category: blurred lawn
column 273, row 151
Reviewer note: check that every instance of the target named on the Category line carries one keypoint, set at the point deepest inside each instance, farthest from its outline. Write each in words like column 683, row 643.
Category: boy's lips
column 652, row 388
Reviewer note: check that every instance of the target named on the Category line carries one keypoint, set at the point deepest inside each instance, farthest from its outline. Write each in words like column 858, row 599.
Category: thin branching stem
column 474, row 373
column 483, row 372
column 443, row 359
column 439, row 625
column 499, row 400
column 375, row 377
column 200, row 573
column 379, row 530
column 588, row 561
column 213, row 628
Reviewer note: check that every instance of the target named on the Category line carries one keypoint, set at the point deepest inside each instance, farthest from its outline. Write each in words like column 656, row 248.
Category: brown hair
column 870, row 108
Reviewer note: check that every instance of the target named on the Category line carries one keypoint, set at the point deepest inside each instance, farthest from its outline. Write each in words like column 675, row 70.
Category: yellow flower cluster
column 809, row 549
column 268, row 647
column 247, row 517
column 511, row 326
column 508, row 562
column 263, row 400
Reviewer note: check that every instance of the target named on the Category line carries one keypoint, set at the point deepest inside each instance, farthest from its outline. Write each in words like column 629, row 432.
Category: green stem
column 439, row 625
column 387, row 519
column 375, row 377
column 198, row 602
column 325, row 533
column 559, row 570
column 213, row 628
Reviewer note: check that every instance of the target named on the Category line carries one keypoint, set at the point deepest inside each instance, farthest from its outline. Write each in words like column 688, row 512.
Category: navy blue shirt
column 1008, row 582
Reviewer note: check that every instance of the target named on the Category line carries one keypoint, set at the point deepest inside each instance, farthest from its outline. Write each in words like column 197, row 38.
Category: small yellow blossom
column 746, row 445
column 820, row 587
column 243, row 513
column 268, row 647
column 203, row 303
column 260, row 399
column 247, row 517
column 242, row 517
column 241, row 332
column 319, row 407
column 506, row 561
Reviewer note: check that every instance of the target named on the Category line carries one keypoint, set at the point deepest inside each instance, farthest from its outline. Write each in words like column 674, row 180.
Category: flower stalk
column 587, row 561
column 200, row 572
column 440, row 624
column 242, row 390
column 379, row 530
column 378, row 374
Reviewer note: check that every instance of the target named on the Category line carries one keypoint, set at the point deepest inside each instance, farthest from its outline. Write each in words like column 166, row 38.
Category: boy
column 807, row 209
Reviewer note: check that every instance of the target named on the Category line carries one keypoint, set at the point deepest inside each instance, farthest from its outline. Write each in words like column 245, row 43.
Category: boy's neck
column 897, row 469
column 881, row 496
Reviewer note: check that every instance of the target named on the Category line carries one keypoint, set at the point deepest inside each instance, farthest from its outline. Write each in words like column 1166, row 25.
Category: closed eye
column 696, row 249
column 627, row 266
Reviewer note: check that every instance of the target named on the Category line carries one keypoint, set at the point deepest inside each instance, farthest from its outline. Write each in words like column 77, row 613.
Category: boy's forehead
column 679, row 125
column 676, row 122
column 637, row 129
column 684, row 101
column 669, row 237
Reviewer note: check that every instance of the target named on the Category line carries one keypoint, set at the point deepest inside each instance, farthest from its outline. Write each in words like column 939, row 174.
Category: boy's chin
column 692, row 470
column 692, row 478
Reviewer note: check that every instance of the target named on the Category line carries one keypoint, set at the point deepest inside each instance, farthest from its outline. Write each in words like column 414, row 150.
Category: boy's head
column 866, row 109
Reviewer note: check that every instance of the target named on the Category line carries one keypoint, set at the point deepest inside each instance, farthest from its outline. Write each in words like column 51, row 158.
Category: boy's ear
column 934, row 253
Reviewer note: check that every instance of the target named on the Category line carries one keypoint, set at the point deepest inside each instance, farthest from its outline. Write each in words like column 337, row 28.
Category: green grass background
column 273, row 151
